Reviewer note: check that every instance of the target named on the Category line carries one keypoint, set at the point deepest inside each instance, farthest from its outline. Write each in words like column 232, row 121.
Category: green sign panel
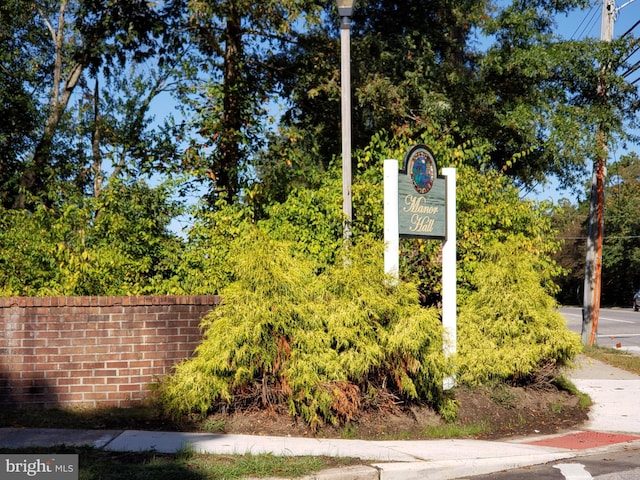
column 421, row 196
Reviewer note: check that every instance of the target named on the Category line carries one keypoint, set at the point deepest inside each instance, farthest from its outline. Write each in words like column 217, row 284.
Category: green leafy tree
column 320, row 329
column 125, row 248
column 18, row 104
column 570, row 221
column 496, row 70
column 115, row 136
column 230, row 70
column 28, row 263
column 489, row 208
column 621, row 244
column 203, row 266
column 621, row 248
column 81, row 37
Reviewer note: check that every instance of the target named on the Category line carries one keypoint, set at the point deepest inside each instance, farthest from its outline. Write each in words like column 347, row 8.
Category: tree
column 233, row 82
column 621, row 243
column 91, row 35
column 489, row 209
column 126, row 249
column 569, row 221
column 508, row 312
column 18, row 103
column 115, row 136
column 318, row 344
column 528, row 94
column 318, row 329
column 621, row 249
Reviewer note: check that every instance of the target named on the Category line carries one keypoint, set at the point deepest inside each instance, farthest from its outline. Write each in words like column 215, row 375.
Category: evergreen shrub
column 319, row 340
column 509, row 327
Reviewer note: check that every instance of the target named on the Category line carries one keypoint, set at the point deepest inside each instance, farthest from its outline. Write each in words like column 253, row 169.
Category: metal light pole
column 345, row 8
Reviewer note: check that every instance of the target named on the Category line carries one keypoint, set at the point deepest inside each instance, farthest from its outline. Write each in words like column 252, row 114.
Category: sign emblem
column 423, row 170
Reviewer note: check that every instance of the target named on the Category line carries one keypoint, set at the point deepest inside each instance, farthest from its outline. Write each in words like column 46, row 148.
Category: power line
column 630, row 30
column 589, row 24
column 611, row 237
column 631, row 69
column 633, row 50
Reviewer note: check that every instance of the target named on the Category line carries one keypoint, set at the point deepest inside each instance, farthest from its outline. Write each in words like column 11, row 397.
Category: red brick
column 59, row 359
column 119, row 396
column 92, row 396
column 80, row 358
column 59, row 389
column 106, row 388
column 92, row 365
column 116, row 364
column 93, row 350
column 129, row 388
column 155, row 371
column 129, row 339
column 68, row 398
column 69, row 381
column 140, row 364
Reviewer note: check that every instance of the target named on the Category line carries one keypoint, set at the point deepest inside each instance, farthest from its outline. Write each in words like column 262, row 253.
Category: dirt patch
column 499, row 412
column 513, row 411
column 489, row 413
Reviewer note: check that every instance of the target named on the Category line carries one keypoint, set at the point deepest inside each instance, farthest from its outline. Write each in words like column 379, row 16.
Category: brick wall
column 93, row 351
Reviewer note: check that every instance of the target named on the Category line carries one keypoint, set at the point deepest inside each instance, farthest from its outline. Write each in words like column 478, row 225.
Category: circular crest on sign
column 422, row 169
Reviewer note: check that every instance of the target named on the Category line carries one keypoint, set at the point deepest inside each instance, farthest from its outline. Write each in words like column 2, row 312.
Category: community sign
column 421, row 196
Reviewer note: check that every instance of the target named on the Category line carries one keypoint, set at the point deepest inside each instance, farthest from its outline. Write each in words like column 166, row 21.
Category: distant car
column 636, row 301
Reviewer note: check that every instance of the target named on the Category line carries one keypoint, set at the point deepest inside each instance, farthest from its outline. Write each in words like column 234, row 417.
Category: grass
column 98, row 464
column 563, row 383
column 147, row 417
column 450, row 430
column 186, row 465
column 615, row 357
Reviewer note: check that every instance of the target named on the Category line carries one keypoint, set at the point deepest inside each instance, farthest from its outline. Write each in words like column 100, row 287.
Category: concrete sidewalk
column 612, row 424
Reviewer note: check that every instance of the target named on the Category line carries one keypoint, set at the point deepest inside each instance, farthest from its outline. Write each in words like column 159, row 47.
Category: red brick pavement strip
column 584, row 440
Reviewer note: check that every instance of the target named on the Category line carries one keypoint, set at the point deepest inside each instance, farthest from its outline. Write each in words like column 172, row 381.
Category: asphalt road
column 617, row 327
column 619, row 465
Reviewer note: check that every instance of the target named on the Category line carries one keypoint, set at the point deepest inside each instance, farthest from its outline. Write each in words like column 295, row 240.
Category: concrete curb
column 353, row 472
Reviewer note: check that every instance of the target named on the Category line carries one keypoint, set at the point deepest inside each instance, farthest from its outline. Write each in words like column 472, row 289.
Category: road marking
column 618, row 335
column 573, row 471
column 616, row 320
column 579, row 315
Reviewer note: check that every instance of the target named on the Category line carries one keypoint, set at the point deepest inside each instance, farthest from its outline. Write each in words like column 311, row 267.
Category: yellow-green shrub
column 508, row 328
column 316, row 341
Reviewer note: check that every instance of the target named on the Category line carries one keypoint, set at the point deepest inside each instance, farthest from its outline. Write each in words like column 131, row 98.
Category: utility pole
column 593, row 263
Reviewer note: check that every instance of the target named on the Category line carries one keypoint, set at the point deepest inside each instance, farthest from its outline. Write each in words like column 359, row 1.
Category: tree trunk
column 33, row 179
column 227, row 173
column 96, row 136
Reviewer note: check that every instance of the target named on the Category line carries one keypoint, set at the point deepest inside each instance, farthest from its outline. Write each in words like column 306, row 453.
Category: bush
column 117, row 244
column 317, row 341
column 304, row 327
column 509, row 328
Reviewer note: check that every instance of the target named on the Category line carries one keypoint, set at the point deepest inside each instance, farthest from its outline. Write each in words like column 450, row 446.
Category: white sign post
column 449, row 300
column 391, row 229
column 392, row 250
